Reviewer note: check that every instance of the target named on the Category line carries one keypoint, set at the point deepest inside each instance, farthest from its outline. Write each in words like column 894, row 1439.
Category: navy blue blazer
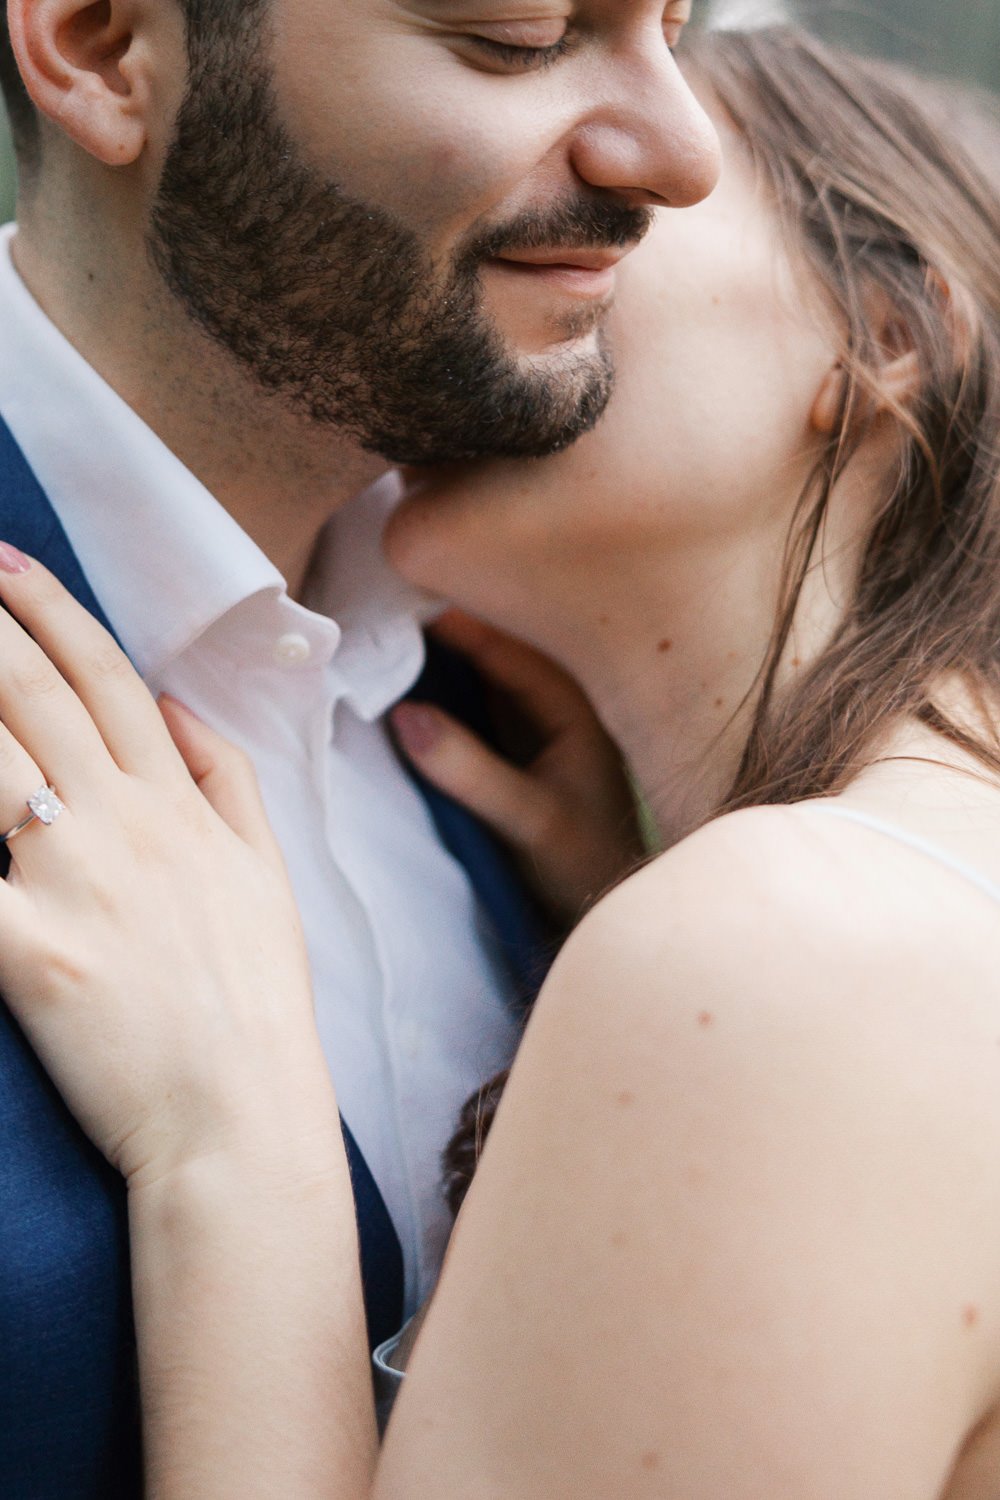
column 69, row 1411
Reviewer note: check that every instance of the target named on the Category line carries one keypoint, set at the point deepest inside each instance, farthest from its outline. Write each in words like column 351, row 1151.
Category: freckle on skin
column 625, row 1098
column 603, row 620
column 650, row 1460
column 706, row 1018
column 796, row 661
column 664, row 646
column 970, row 1315
column 718, row 703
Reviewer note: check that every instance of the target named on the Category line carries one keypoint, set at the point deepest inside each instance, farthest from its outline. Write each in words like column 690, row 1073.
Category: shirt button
column 292, row 650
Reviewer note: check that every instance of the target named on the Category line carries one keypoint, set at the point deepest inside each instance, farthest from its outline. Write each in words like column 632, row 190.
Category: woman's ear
column 85, row 66
column 828, row 405
column 888, row 384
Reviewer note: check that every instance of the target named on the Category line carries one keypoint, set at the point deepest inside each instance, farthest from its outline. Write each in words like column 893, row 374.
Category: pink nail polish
column 12, row 561
column 417, row 727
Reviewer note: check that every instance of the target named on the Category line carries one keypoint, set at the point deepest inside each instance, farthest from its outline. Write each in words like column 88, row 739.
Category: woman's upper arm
column 724, row 1243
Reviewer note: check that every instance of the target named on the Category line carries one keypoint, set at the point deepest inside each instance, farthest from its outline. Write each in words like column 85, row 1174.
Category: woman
column 737, row 1229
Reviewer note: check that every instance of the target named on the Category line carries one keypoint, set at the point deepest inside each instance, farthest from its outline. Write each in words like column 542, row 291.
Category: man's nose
column 649, row 141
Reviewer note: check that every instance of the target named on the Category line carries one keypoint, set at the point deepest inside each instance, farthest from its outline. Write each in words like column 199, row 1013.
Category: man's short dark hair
column 202, row 18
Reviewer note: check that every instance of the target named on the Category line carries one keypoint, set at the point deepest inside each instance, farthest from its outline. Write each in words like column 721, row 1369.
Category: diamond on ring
column 45, row 805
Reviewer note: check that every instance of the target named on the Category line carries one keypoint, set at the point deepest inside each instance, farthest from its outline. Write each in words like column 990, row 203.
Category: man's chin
column 580, row 336
column 575, row 358
column 511, row 402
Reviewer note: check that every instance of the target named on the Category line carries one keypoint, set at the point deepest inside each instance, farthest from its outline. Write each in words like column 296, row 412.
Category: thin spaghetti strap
column 911, row 840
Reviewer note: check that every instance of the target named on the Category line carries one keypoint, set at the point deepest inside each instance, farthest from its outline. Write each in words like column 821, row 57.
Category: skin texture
column 397, row 109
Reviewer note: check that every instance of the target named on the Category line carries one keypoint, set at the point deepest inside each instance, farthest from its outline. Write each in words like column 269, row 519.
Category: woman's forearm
column 252, row 1347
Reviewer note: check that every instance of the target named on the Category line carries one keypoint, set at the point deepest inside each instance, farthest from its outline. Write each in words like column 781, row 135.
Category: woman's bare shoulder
column 774, row 935
column 732, row 1211
column 780, row 904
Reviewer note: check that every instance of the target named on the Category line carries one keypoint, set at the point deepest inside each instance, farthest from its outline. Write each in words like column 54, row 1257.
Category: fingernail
column 12, row 561
column 176, row 703
column 417, row 727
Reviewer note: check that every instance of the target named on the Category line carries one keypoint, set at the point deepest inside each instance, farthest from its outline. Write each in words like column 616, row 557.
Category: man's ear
column 87, row 71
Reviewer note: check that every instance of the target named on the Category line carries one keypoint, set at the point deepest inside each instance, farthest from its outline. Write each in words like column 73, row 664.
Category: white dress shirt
column 410, row 996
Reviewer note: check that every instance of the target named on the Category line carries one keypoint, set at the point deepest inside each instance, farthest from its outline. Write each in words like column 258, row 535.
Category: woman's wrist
column 252, row 1338
column 272, row 1144
column 284, row 1125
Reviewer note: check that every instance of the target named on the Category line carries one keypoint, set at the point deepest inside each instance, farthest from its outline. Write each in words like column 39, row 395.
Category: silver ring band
column 44, row 807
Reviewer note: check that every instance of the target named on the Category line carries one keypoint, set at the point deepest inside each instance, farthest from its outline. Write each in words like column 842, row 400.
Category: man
column 266, row 248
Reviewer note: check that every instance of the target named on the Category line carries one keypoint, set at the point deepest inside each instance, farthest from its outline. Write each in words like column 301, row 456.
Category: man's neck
column 280, row 476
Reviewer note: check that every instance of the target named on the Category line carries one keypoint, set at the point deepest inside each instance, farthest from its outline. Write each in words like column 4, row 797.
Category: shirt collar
column 164, row 557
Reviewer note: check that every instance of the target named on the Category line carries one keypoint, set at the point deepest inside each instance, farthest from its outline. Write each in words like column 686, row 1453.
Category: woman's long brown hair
column 886, row 207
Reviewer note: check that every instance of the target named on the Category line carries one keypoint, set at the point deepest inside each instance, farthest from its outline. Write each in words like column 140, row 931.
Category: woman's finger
column 225, row 777
column 539, row 687
column 107, row 688
column 21, row 782
column 454, row 760
column 44, row 715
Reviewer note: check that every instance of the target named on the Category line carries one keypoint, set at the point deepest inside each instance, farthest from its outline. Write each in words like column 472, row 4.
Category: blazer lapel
column 29, row 522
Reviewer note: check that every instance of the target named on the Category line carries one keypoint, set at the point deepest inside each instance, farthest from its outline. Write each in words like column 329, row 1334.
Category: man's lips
column 587, row 273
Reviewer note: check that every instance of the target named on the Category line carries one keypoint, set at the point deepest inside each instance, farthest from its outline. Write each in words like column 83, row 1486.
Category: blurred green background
column 960, row 38
column 957, row 37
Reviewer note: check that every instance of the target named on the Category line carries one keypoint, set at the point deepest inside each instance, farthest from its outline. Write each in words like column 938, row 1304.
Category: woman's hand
column 150, row 945
column 566, row 809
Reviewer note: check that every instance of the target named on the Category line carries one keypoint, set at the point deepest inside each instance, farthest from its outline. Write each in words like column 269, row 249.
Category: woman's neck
column 668, row 645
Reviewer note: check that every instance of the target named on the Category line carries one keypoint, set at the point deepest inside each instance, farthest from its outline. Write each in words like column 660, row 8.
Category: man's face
column 403, row 216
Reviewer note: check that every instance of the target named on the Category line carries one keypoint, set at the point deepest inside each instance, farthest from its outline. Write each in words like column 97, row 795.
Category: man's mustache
column 586, row 224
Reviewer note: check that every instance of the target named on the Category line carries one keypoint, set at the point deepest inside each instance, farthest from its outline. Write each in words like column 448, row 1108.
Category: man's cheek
column 447, row 186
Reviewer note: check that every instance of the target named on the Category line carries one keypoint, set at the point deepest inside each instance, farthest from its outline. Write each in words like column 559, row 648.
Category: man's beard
column 335, row 307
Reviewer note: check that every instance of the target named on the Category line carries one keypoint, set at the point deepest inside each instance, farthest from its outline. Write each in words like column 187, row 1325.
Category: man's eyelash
column 524, row 57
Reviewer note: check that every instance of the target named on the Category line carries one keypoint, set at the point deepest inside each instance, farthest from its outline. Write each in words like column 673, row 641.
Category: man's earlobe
column 79, row 62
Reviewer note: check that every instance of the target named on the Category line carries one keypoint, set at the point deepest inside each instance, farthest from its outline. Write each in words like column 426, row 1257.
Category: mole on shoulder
column 651, row 1460
column 706, row 1019
column 970, row 1315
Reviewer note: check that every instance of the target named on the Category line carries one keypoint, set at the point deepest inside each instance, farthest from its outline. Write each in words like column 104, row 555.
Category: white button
column 292, row 649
